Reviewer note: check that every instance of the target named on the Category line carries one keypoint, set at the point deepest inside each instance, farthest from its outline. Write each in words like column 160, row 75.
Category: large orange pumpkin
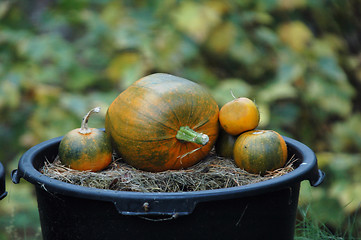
column 163, row 122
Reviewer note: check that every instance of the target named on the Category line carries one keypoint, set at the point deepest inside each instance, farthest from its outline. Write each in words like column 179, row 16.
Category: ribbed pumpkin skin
column 259, row 151
column 144, row 119
column 92, row 151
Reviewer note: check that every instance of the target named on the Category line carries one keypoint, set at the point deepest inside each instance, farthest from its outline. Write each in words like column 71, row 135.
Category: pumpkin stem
column 234, row 97
column 84, row 125
column 189, row 135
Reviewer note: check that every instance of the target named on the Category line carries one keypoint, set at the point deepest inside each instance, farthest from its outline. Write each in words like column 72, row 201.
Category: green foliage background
column 300, row 60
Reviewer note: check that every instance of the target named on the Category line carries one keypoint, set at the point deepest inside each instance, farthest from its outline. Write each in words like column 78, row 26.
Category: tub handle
column 3, row 191
column 162, row 209
column 315, row 176
column 15, row 176
column 316, row 181
column 3, row 195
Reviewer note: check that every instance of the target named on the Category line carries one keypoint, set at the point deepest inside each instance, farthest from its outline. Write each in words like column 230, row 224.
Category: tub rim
column 180, row 203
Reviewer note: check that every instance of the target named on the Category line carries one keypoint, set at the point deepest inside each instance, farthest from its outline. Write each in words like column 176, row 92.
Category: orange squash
column 239, row 115
column 86, row 148
column 163, row 122
column 260, row 151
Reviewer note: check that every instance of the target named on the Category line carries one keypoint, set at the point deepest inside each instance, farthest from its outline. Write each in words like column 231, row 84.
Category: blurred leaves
column 346, row 136
column 299, row 60
column 126, row 66
column 217, row 42
column 224, row 90
column 195, row 19
column 343, row 184
column 18, row 218
column 9, row 94
column 296, row 35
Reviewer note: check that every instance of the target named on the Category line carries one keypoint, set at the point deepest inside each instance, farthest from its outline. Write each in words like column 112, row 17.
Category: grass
column 309, row 229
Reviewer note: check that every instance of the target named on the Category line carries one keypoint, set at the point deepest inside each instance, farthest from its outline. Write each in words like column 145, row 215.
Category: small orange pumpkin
column 86, row 148
column 260, row 151
column 239, row 115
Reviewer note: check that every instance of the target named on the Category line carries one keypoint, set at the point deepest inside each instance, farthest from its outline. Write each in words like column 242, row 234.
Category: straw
column 213, row 172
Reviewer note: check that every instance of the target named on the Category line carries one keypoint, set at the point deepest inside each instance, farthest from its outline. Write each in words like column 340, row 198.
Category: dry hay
column 213, row 172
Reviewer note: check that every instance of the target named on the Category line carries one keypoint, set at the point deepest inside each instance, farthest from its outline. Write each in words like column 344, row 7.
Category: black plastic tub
column 3, row 192
column 265, row 210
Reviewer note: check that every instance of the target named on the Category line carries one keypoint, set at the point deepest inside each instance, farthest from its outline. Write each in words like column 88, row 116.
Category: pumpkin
column 259, row 151
column 239, row 115
column 224, row 144
column 163, row 122
column 86, row 148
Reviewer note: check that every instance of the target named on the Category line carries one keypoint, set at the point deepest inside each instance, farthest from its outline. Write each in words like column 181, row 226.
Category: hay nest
column 213, row 172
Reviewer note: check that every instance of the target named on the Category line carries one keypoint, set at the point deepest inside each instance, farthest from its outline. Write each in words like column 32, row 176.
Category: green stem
column 84, row 125
column 189, row 135
column 234, row 97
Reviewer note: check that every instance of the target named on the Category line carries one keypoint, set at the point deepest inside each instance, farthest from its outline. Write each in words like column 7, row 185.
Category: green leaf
column 332, row 97
column 201, row 74
column 218, row 43
column 331, row 69
column 290, row 71
column 80, row 79
column 169, row 50
column 126, row 68
column 4, row 8
column 276, row 90
column 320, row 211
column 296, row 35
column 267, row 35
column 9, row 93
column 251, row 17
column 245, row 52
column 195, row 19
column 346, row 135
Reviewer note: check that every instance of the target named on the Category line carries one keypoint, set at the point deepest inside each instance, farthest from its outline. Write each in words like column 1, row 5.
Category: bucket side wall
column 265, row 216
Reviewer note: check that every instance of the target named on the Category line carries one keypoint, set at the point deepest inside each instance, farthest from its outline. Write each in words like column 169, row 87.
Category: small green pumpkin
column 86, row 148
column 259, row 151
column 225, row 144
